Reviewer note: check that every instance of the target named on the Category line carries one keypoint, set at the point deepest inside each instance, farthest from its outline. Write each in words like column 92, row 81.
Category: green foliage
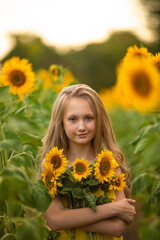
column 23, row 198
column 140, row 141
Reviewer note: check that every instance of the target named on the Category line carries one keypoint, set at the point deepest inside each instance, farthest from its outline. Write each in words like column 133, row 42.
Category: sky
column 68, row 24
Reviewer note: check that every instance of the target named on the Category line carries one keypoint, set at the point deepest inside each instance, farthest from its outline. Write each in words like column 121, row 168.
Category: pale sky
column 69, row 23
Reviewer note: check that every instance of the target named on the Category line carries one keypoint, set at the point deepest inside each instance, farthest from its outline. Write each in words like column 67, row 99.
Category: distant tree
column 152, row 8
column 32, row 47
column 94, row 65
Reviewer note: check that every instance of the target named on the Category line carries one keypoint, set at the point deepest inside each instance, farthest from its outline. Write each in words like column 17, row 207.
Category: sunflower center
column 158, row 65
column 104, row 166
column 56, row 161
column 48, row 181
column 117, row 183
column 113, row 183
column 80, row 168
column 17, row 78
column 141, row 84
column 139, row 54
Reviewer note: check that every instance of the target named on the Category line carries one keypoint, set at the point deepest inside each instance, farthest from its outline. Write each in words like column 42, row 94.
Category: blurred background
column 88, row 37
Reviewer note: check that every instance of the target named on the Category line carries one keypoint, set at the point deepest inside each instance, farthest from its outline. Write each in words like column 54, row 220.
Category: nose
column 81, row 126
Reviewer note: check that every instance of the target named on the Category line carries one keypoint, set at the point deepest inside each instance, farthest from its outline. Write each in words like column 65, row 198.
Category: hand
column 125, row 210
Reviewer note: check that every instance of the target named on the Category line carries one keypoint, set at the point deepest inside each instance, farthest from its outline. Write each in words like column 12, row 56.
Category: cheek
column 68, row 128
column 92, row 126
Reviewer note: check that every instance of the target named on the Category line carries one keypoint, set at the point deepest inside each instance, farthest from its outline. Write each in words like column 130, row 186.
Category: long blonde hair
column 104, row 138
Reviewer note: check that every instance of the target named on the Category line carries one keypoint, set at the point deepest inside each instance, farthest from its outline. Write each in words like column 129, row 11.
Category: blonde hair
column 104, row 137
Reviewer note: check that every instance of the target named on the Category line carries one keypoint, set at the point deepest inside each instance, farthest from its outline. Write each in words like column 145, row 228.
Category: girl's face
column 79, row 121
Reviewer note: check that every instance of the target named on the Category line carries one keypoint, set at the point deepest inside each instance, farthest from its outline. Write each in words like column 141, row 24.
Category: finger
column 131, row 201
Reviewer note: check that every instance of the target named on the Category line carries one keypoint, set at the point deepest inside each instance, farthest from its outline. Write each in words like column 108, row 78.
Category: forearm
column 58, row 219
column 112, row 226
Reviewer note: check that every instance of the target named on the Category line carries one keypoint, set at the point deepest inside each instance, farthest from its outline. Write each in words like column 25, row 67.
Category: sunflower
column 50, row 179
column 18, row 73
column 99, row 192
column 68, row 78
column 57, row 159
column 45, row 76
column 112, row 97
column 105, row 166
column 55, row 71
column 155, row 60
column 134, row 51
column 139, row 82
column 81, row 169
column 118, row 182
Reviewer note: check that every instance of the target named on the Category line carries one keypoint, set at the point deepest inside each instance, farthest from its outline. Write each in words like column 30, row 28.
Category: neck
column 81, row 151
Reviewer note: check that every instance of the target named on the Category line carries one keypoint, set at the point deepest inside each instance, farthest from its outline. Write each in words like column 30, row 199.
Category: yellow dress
column 82, row 235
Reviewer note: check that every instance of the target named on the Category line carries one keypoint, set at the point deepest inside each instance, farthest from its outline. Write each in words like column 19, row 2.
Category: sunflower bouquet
column 82, row 184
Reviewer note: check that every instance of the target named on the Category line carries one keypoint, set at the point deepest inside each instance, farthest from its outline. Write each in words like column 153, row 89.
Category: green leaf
column 155, row 194
column 4, row 92
column 91, row 199
column 25, row 160
column 13, row 181
column 92, row 182
column 37, row 196
column 9, row 144
column 141, row 144
column 2, row 109
column 31, row 139
column 141, row 183
column 77, row 192
column 33, row 229
column 102, row 200
column 157, row 168
column 149, row 129
column 21, row 110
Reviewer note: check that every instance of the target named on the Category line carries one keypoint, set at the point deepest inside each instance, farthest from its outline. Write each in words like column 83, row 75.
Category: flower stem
column 101, row 237
column 4, row 153
column 70, row 174
column 7, row 235
column 9, row 213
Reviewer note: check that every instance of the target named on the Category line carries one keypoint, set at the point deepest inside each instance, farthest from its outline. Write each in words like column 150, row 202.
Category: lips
column 82, row 135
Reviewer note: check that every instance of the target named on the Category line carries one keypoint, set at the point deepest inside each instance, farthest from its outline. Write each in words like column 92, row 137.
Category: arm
column 58, row 217
column 114, row 226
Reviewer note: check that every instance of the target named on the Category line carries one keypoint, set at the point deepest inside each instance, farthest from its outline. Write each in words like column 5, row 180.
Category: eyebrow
column 75, row 115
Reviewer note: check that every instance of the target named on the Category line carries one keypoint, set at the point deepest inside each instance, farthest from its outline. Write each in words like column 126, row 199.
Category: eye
column 89, row 118
column 72, row 119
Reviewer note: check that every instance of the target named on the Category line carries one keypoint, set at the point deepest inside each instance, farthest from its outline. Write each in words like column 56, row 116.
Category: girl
column 80, row 125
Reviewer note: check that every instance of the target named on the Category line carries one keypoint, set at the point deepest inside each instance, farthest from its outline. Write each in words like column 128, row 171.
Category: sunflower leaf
column 10, row 144
column 92, row 182
column 4, row 92
column 141, row 183
column 91, row 199
column 149, row 129
column 31, row 228
column 21, row 110
column 77, row 193
column 141, row 144
column 37, row 196
column 13, row 182
column 155, row 195
column 31, row 139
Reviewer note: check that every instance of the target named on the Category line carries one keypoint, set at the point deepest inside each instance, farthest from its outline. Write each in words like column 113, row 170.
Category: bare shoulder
column 118, row 170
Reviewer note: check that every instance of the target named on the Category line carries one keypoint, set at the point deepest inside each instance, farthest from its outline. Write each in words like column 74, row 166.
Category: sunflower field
column 26, row 100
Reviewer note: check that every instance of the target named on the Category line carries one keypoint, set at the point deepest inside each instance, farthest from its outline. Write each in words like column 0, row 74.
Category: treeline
column 94, row 65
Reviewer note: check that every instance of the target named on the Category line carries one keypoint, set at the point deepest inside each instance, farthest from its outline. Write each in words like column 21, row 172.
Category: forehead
column 76, row 105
